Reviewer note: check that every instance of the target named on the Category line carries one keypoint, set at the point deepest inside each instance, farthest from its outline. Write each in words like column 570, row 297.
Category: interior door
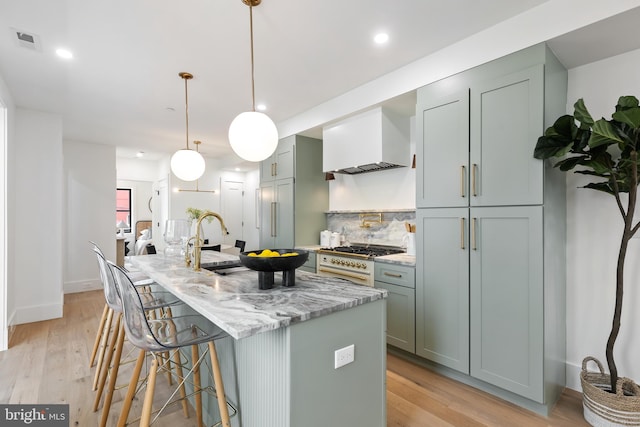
column 232, row 210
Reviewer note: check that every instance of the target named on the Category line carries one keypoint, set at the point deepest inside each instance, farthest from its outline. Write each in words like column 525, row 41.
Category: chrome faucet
column 197, row 244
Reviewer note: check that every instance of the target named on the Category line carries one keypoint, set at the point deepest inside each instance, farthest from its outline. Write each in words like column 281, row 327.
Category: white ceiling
column 122, row 86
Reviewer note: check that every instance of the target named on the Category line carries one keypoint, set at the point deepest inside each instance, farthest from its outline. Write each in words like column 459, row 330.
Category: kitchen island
column 279, row 362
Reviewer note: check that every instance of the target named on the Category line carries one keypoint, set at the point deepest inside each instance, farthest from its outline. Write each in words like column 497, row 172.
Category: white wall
column 594, row 229
column 6, row 138
column 38, row 224
column 90, row 174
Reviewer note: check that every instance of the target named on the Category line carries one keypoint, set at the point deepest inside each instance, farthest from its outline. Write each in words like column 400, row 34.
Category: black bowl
column 276, row 263
column 266, row 266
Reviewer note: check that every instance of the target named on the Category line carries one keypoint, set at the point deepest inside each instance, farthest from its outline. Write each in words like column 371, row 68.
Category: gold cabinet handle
column 462, row 176
column 473, row 234
column 275, row 168
column 462, row 233
column 392, row 274
column 273, row 219
column 474, row 172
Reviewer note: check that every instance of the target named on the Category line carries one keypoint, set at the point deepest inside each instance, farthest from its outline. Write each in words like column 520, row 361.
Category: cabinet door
column 284, row 217
column 442, row 152
column 442, row 287
column 285, row 158
column 401, row 320
column 267, row 208
column 507, row 298
column 506, row 121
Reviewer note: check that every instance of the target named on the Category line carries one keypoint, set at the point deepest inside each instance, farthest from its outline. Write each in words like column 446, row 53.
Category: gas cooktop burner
column 364, row 250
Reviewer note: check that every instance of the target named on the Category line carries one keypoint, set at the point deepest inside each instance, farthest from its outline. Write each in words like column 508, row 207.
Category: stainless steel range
column 354, row 263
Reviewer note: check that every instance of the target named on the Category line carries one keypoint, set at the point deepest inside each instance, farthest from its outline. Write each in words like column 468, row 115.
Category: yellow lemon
column 252, row 254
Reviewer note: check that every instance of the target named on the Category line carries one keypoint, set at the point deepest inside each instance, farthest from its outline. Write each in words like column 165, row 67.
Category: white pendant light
column 186, row 164
column 253, row 135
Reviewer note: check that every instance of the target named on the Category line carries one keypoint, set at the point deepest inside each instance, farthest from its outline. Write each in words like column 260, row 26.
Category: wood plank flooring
column 47, row 362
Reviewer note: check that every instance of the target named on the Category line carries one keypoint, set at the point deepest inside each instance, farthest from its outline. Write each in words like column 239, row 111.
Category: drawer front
column 395, row 274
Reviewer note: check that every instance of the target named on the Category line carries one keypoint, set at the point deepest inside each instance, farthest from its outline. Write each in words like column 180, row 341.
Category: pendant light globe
column 187, row 165
column 253, row 136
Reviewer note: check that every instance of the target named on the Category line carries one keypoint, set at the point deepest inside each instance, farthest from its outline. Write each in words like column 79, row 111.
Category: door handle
column 474, row 172
column 462, row 176
column 273, row 219
column 462, row 233
column 473, row 234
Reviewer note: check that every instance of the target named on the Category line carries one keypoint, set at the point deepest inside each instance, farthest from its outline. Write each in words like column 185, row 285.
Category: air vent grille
column 27, row 40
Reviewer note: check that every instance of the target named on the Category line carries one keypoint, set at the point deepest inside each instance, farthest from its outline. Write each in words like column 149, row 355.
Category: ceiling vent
column 27, row 40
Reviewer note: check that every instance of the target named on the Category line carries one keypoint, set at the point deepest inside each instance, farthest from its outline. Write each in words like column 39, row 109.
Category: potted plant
column 608, row 151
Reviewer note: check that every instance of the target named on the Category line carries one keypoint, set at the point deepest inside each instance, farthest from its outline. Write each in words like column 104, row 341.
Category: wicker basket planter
column 604, row 409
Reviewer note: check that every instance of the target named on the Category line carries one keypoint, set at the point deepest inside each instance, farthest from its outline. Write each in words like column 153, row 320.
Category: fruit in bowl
column 268, row 261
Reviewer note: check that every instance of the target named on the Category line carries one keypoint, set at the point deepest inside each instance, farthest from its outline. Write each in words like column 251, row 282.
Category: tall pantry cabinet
column 491, row 228
column 294, row 196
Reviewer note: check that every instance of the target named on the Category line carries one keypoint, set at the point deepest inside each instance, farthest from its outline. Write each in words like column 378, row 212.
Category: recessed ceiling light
column 237, row 169
column 140, row 154
column 261, row 107
column 381, row 38
column 64, row 53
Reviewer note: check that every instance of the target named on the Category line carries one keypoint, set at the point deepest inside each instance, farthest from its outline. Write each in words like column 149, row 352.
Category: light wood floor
column 47, row 362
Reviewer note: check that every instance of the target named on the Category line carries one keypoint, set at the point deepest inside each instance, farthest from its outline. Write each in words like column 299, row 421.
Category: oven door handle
column 342, row 273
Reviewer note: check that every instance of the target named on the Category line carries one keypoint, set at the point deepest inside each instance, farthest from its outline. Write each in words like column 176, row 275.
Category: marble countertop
column 234, row 302
column 402, row 259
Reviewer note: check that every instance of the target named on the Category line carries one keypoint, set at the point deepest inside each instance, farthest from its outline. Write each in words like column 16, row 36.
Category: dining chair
column 173, row 334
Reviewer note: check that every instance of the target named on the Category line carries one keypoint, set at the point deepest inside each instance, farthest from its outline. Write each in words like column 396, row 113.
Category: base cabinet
column 399, row 281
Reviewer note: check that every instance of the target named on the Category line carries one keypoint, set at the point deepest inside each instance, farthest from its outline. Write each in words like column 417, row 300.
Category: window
column 123, row 208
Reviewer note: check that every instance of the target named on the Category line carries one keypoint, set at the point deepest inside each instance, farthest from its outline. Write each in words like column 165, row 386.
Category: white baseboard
column 573, row 376
column 82, row 286
column 36, row 313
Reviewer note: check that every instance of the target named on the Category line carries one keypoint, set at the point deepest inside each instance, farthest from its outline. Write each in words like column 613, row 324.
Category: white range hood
column 377, row 139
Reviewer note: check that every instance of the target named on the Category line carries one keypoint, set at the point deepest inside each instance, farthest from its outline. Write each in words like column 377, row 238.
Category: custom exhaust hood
column 374, row 140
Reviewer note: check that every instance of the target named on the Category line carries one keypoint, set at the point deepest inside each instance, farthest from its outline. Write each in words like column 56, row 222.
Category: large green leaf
column 603, row 134
column 570, row 163
column 625, row 102
column 600, row 186
column 582, row 114
column 630, row 116
column 548, row 147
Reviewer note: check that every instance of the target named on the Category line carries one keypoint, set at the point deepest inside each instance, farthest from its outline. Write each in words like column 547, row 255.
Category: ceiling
column 122, row 86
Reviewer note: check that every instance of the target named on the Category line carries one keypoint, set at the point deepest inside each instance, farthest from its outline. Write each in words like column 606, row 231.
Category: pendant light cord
column 186, row 108
column 253, row 85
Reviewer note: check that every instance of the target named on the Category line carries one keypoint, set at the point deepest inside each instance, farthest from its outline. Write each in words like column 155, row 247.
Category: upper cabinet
column 281, row 163
column 477, row 136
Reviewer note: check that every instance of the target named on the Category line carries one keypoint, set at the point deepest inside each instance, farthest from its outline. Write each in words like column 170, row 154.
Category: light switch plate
column 344, row 356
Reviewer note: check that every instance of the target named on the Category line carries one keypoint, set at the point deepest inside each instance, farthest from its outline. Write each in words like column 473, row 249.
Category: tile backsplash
column 391, row 231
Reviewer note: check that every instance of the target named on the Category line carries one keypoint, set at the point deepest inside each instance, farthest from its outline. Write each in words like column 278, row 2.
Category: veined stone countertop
column 402, row 259
column 234, row 302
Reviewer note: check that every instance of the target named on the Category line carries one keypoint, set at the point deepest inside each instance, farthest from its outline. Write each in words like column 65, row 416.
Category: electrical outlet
column 344, row 356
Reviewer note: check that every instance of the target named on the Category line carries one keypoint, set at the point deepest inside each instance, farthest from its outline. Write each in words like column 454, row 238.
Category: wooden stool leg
column 108, row 397
column 106, row 363
column 103, row 347
column 183, row 392
column 148, row 396
column 217, row 378
column 96, row 344
column 131, row 391
column 195, row 355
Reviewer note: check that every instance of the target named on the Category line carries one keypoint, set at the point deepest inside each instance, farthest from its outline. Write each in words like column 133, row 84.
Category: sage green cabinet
column 293, row 194
column 276, row 214
column 281, row 164
column 442, row 291
column 474, row 137
column 490, row 248
column 506, row 298
column 399, row 281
